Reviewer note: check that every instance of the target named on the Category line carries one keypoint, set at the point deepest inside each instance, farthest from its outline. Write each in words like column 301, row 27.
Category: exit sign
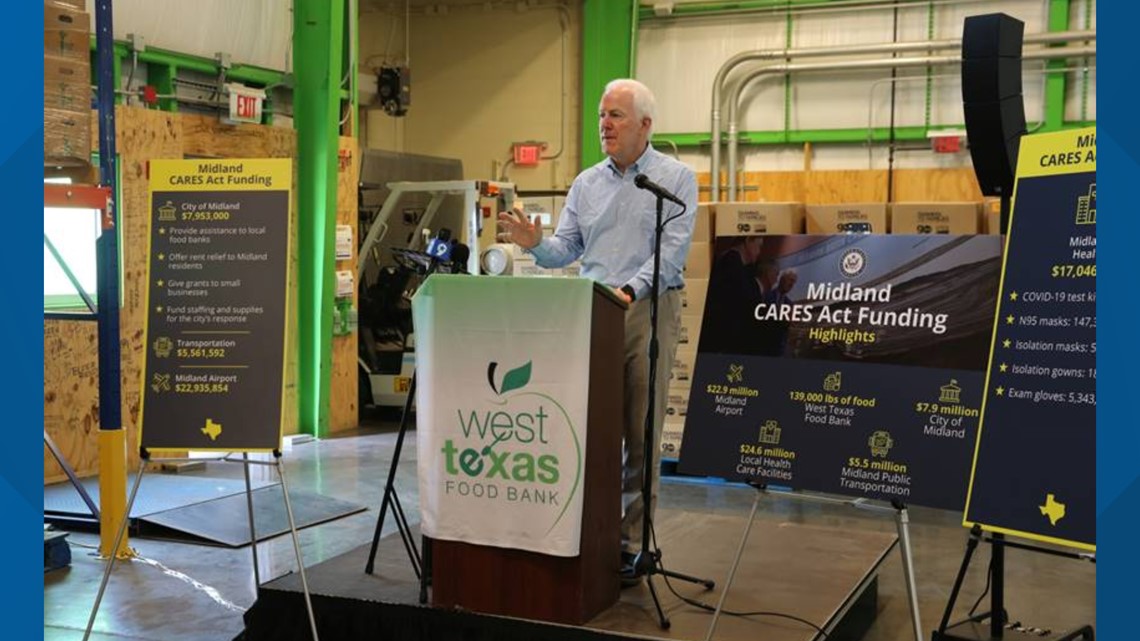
column 245, row 103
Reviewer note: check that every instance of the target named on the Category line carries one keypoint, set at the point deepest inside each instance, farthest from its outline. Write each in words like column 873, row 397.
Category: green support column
column 162, row 77
column 1054, row 115
column 607, row 27
column 318, row 35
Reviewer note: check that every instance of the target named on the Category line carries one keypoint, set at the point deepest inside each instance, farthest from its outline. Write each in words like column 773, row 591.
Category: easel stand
column 145, row 459
column 966, row 630
column 648, row 560
column 393, row 499
column 902, row 521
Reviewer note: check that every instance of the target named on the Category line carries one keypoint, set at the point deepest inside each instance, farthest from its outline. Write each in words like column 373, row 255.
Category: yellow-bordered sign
column 1034, row 467
column 216, row 298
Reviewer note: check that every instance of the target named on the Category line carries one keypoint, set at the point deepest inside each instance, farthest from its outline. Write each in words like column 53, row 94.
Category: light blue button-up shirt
column 608, row 223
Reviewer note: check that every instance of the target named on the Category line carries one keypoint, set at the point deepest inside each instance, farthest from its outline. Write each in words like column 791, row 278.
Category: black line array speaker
column 991, row 97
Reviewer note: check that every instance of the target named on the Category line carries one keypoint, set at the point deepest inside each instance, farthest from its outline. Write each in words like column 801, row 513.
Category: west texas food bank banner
column 502, row 367
column 849, row 364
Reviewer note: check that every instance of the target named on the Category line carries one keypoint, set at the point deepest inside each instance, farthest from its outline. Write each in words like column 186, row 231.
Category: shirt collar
column 643, row 162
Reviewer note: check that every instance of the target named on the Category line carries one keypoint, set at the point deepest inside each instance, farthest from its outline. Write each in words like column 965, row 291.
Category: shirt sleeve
column 566, row 245
column 676, row 238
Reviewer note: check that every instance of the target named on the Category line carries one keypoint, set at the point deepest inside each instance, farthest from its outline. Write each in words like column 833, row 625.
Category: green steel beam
column 1055, row 82
column 238, row 72
column 607, row 26
column 696, row 9
column 318, row 37
column 824, row 136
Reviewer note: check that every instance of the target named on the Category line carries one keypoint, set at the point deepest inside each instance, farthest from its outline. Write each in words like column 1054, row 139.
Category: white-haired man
column 609, row 224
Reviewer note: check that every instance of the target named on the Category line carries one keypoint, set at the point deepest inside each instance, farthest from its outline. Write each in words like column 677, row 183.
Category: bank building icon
column 770, row 433
column 166, row 212
column 951, row 393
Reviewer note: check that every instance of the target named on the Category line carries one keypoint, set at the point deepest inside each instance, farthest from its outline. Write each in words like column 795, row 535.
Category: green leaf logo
column 514, row 379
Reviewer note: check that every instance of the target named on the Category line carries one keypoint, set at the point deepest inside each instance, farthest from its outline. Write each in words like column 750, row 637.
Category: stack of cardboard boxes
column 67, row 84
column 697, row 268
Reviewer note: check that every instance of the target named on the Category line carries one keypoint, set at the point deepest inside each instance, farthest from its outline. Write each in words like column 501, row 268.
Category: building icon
column 770, row 432
column 1086, row 207
column 950, row 393
column 166, row 212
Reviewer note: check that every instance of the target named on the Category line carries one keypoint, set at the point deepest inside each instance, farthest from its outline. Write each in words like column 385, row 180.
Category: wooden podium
column 570, row 590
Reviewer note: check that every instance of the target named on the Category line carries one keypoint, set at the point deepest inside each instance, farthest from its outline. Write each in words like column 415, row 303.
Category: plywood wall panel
column 71, row 403
column 344, row 410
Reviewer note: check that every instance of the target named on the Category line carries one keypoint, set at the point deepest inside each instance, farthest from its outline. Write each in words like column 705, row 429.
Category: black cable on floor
column 704, row 606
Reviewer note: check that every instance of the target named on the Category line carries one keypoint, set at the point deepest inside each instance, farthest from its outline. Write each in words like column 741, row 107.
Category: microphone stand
column 647, row 562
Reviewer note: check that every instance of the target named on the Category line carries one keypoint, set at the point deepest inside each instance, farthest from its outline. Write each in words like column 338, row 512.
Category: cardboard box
column 75, row 5
column 935, row 218
column 528, row 267
column 750, row 219
column 67, row 84
column 67, row 136
column 543, row 207
column 677, row 402
column 693, row 295
column 690, row 331
column 854, row 218
column 672, row 433
column 66, row 32
column 702, row 226
column 699, row 262
column 683, row 365
column 991, row 216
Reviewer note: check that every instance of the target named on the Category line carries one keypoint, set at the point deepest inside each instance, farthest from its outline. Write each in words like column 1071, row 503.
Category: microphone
column 439, row 248
column 643, row 182
column 459, row 255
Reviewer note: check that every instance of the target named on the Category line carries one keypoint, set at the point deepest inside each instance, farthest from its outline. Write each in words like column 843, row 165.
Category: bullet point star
column 162, row 256
column 1006, row 343
column 161, row 283
column 161, row 231
column 158, row 309
column 1009, row 319
column 1013, row 295
column 1003, row 367
column 1000, row 391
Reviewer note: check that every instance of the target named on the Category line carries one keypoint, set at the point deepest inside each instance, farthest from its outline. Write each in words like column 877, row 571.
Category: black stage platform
column 825, row 575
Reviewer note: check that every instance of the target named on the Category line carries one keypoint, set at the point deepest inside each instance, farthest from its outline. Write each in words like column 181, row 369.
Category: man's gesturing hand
column 515, row 227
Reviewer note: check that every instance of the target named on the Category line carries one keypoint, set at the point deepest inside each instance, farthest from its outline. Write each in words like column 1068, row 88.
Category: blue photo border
column 1118, row 437
column 21, row 151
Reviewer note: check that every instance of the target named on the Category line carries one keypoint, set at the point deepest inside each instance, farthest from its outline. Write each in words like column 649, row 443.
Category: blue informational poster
column 848, row 364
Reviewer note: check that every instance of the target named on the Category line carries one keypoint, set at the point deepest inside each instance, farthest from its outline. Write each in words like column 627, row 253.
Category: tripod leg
column 732, row 570
column 297, row 549
column 971, row 546
column 114, row 550
column 390, row 485
column 252, row 531
column 903, row 518
column 665, row 623
column 997, row 583
column 406, row 534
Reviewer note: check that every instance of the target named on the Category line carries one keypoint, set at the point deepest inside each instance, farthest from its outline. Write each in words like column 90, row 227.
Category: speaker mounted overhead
column 992, row 98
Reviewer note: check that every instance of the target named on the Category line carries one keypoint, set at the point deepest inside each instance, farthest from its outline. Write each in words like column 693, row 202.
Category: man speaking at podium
column 608, row 222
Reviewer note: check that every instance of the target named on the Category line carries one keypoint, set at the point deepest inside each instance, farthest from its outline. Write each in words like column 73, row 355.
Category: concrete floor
column 178, row 591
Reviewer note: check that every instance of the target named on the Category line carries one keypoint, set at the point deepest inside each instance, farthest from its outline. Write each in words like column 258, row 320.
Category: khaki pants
column 637, row 330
